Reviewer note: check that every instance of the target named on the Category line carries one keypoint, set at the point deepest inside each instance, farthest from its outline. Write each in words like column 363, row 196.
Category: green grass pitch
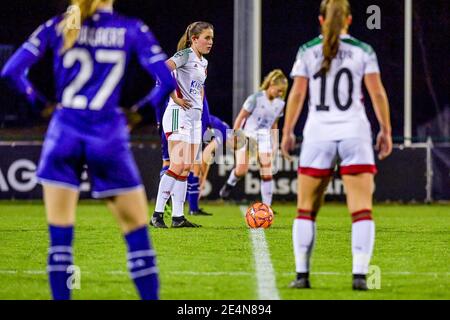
column 217, row 262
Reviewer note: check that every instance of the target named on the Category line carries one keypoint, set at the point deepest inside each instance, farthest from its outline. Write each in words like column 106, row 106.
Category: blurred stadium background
column 234, row 71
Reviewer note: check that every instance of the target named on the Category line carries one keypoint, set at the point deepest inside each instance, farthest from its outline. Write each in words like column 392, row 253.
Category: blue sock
column 163, row 171
column 193, row 192
column 59, row 259
column 141, row 264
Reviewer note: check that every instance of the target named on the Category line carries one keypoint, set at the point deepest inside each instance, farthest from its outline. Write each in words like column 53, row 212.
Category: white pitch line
column 35, row 272
column 235, row 273
column 265, row 275
column 8, row 271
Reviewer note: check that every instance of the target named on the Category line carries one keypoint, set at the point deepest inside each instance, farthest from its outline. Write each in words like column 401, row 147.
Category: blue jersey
column 89, row 76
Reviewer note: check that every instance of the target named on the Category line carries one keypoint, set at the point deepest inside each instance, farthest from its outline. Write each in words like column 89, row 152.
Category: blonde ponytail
column 79, row 11
column 185, row 40
column 334, row 12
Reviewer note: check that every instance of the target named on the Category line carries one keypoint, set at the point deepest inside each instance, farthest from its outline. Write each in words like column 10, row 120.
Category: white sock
column 178, row 198
column 164, row 191
column 363, row 238
column 303, row 237
column 267, row 192
column 233, row 179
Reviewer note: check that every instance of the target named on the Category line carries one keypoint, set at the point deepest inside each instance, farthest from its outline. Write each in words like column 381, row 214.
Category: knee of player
column 178, row 169
column 266, row 177
column 187, row 167
column 241, row 170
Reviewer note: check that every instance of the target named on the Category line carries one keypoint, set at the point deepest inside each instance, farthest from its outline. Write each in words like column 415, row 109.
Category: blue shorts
column 110, row 163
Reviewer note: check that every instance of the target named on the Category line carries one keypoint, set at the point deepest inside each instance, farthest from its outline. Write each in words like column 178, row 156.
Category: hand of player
column 384, row 145
column 133, row 117
column 48, row 110
column 287, row 145
column 183, row 103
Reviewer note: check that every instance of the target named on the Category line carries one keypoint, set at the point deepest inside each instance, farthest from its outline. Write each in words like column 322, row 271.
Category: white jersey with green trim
column 336, row 108
column 263, row 113
column 190, row 74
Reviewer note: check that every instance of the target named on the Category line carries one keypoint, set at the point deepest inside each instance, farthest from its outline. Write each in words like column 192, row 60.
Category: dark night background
column 286, row 25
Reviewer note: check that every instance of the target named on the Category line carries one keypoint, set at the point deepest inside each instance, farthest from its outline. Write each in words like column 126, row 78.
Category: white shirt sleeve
column 371, row 63
column 181, row 58
column 300, row 68
column 250, row 103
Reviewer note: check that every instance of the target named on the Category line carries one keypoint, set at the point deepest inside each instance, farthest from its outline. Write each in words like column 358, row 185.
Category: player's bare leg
column 130, row 210
column 60, row 205
column 359, row 189
column 310, row 193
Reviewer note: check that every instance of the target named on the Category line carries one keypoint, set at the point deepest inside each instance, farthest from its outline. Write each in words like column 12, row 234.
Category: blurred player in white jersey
column 182, row 123
column 258, row 117
column 334, row 66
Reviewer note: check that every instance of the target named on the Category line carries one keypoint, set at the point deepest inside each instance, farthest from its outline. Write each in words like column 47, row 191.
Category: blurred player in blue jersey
column 217, row 146
column 91, row 48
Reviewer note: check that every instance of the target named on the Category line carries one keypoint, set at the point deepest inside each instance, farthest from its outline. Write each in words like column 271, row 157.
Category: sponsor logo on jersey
column 196, row 87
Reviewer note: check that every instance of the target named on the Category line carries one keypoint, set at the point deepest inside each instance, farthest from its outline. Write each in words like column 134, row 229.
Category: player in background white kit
column 182, row 121
column 257, row 118
column 334, row 66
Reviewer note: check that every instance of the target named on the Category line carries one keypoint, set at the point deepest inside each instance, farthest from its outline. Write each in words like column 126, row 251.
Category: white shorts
column 318, row 158
column 183, row 125
column 261, row 142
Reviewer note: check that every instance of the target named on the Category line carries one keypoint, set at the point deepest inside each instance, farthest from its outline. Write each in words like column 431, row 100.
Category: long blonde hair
column 275, row 77
column 335, row 13
column 194, row 29
column 85, row 9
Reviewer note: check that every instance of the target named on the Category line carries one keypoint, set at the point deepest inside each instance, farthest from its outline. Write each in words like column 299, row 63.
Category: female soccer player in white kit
column 182, row 120
column 334, row 66
column 260, row 114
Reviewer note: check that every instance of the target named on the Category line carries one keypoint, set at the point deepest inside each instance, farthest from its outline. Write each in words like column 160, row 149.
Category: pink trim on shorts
column 313, row 172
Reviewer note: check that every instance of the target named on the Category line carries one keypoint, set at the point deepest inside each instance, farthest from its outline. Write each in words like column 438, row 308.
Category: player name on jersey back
column 336, row 108
column 102, row 37
column 341, row 54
